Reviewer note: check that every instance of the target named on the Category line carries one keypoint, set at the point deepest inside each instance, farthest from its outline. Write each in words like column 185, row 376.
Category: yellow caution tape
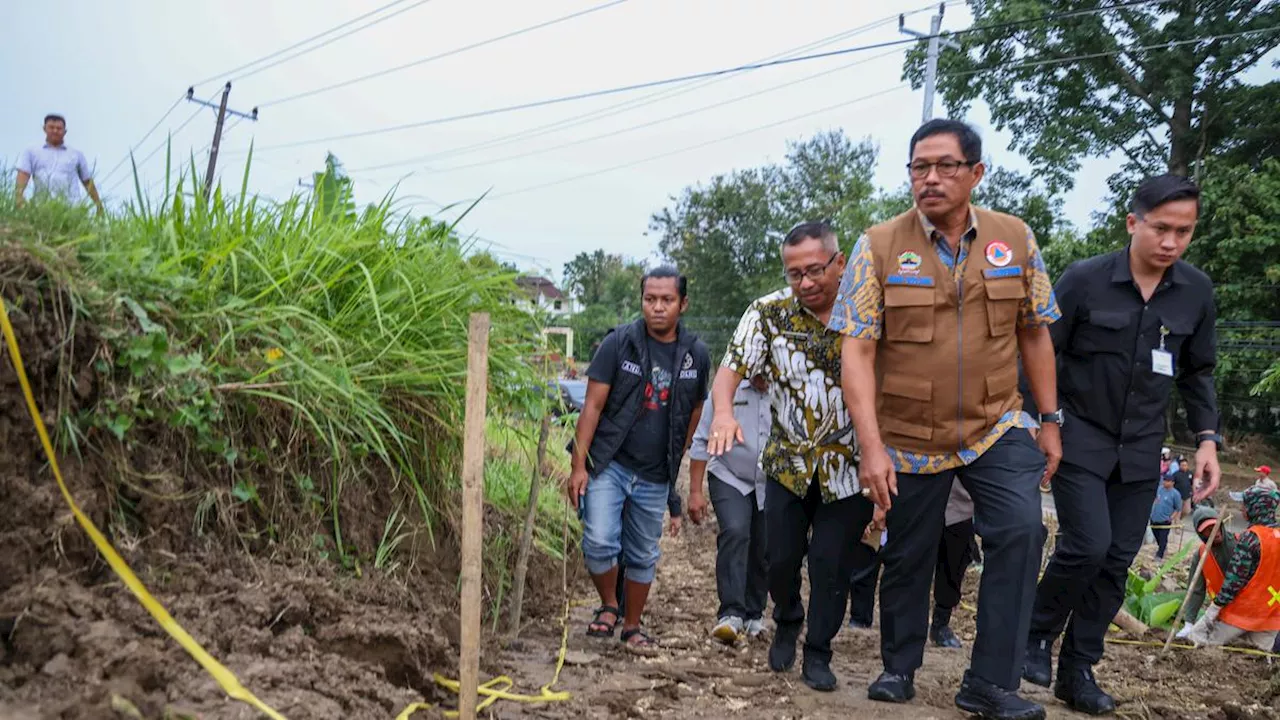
column 225, row 679
column 493, row 690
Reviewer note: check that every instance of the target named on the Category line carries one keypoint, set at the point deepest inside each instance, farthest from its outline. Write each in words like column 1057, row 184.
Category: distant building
column 541, row 294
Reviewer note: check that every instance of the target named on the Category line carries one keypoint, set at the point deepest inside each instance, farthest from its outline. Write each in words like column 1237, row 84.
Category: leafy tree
column 1012, row 192
column 332, row 191
column 1111, row 81
column 586, row 275
column 616, row 295
column 725, row 235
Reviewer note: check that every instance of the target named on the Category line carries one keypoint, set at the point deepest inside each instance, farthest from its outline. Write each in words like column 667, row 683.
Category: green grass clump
column 303, row 344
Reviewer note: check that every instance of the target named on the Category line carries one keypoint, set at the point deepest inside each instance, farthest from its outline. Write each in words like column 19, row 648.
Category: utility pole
column 931, row 59
column 217, row 130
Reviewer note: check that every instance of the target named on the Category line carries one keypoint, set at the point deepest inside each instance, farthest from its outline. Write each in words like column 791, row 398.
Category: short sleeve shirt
column 811, row 437
column 859, row 313
column 56, row 170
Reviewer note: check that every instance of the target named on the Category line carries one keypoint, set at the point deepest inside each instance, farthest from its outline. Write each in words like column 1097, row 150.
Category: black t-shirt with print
column 645, row 449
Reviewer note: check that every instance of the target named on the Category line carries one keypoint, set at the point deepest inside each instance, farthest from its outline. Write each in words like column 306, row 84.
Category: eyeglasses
column 813, row 272
column 946, row 168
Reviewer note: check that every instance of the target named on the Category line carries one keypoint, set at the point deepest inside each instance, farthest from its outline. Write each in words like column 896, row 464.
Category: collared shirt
column 740, row 467
column 56, row 170
column 811, row 436
column 859, row 313
column 1113, row 399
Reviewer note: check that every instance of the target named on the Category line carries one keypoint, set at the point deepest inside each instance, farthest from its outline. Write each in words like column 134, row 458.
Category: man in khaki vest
column 936, row 306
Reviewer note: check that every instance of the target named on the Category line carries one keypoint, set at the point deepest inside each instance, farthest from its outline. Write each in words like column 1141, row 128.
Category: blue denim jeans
column 622, row 513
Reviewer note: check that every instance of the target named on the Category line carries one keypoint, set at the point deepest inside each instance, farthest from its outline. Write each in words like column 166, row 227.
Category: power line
column 668, row 118
column 624, row 106
column 163, row 144
column 328, row 42
column 438, row 56
column 726, row 138
column 300, row 43
column 826, row 109
column 143, row 139
column 1108, row 53
column 686, row 78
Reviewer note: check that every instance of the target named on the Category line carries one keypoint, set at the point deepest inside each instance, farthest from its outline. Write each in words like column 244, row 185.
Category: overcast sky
column 114, row 69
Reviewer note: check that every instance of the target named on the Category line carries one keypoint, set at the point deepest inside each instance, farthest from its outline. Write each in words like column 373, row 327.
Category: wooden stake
column 473, row 511
column 526, row 537
column 1195, row 577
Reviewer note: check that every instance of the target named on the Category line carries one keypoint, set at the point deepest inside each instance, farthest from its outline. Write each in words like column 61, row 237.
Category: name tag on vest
column 630, row 367
column 691, row 374
column 1014, row 271
column 914, row 280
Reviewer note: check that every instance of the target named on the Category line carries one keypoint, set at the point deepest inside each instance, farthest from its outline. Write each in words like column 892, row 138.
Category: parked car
column 573, row 394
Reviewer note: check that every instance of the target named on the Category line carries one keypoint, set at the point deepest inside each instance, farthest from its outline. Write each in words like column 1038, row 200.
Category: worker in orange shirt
column 1246, row 603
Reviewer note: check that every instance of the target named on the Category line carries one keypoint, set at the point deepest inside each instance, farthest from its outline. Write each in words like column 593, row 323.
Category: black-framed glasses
column 813, row 272
column 946, row 168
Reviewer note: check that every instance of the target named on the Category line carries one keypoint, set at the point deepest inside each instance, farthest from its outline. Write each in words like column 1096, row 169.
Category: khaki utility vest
column 946, row 364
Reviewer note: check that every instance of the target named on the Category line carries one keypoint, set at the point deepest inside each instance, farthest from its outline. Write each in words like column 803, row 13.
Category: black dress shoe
column 782, row 651
column 981, row 698
column 942, row 636
column 892, row 688
column 1038, row 667
column 1077, row 687
column 817, row 674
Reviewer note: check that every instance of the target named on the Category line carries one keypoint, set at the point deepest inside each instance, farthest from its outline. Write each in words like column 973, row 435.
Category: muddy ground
column 315, row 642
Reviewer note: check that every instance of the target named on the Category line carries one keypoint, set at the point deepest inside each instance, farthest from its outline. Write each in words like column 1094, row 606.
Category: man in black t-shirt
column 645, row 388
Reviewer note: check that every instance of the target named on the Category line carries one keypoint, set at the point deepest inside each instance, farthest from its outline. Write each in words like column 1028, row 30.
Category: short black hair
column 1160, row 189
column 970, row 142
column 55, row 117
column 667, row 271
column 813, row 230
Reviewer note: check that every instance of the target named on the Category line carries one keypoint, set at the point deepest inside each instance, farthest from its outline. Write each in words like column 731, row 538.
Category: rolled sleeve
column 749, row 347
column 1040, row 308
column 26, row 162
column 859, row 306
column 698, row 448
column 1195, row 379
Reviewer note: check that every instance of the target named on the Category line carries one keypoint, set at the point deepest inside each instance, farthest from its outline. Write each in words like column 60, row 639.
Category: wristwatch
column 1054, row 417
column 1215, row 437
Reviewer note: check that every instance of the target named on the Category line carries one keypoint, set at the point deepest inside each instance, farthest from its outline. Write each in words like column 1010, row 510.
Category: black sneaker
column 782, row 651
column 1077, row 687
column 985, row 700
column 1038, row 667
column 892, row 688
column 942, row 636
column 817, row 674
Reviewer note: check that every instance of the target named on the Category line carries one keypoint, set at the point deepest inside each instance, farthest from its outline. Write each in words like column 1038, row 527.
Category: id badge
column 1162, row 362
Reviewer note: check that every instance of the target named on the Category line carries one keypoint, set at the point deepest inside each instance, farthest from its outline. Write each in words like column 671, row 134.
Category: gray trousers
column 742, row 567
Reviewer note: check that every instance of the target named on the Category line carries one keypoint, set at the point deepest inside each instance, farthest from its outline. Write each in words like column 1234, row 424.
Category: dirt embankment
column 308, row 637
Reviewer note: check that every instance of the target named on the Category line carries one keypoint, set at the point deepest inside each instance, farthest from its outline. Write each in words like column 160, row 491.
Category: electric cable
column 143, row 139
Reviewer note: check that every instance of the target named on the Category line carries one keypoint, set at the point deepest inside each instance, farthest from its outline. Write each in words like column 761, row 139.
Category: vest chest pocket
column 908, row 313
column 1004, row 299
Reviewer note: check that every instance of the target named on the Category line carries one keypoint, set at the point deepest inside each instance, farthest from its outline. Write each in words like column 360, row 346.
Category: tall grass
column 278, row 333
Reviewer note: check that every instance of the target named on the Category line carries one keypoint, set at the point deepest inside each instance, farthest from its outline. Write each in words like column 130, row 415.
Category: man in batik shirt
column 811, row 455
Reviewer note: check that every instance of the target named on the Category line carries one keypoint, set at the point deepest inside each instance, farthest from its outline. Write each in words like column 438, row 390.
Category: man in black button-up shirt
column 1135, row 323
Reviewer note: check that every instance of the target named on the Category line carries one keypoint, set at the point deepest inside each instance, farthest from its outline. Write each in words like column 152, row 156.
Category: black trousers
column 955, row 553
column 836, row 528
column 1004, row 484
column 1103, row 522
column 742, row 567
column 1161, row 535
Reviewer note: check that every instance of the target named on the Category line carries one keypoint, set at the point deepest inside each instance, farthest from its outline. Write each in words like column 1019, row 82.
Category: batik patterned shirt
column 859, row 313
column 811, row 436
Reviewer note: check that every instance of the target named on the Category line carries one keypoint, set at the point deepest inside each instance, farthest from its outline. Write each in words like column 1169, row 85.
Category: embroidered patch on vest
column 999, row 254
column 688, row 361
column 909, row 262
column 631, row 367
column 1015, row 271
column 909, row 280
